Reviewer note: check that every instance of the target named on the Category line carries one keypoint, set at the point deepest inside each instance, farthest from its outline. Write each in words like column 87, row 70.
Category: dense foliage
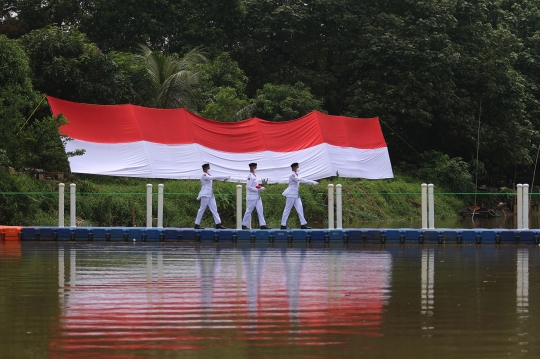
column 115, row 201
column 443, row 76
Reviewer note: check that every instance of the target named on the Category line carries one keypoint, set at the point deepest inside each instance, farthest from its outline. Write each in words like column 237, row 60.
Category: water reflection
column 10, row 251
column 523, row 282
column 253, row 261
column 427, row 291
column 73, row 268
column 152, row 300
column 293, row 269
column 63, row 289
column 295, row 295
column 428, row 281
column 207, row 263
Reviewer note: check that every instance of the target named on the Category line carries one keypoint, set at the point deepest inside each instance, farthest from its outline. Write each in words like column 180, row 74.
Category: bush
column 451, row 173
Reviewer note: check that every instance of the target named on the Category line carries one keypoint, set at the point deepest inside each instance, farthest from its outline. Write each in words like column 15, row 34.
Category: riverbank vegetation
column 454, row 83
column 114, row 201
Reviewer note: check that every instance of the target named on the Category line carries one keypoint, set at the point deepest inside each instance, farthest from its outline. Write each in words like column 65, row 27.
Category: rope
column 272, row 194
column 400, row 137
column 30, row 115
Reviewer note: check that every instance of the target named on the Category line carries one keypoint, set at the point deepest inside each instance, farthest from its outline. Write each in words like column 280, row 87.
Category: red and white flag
column 133, row 141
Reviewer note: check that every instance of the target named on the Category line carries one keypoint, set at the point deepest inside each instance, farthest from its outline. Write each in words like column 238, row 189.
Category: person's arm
column 221, row 178
column 251, row 186
column 303, row 180
column 295, row 178
column 314, row 183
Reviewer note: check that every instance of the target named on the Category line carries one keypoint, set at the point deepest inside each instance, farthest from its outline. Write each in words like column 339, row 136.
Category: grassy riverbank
column 115, row 201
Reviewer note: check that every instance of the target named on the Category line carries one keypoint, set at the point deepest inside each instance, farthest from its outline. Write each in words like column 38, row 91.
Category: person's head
column 295, row 166
column 252, row 166
column 206, row 167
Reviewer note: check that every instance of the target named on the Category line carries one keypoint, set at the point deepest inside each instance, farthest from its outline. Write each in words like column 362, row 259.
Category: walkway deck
column 351, row 235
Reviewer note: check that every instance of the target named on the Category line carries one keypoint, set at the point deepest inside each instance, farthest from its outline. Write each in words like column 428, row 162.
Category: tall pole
column 519, row 206
column 160, row 206
column 61, row 188
column 330, row 206
column 424, row 207
column 148, row 205
column 525, row 211
column 72, row 205
column 431, row 206
column 339, row 205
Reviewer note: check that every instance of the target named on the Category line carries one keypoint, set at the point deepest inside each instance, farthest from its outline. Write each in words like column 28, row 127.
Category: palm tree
column 168, row 81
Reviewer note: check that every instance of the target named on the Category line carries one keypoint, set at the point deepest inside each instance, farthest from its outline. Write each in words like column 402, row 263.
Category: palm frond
column 245, row 112
column 170, row 79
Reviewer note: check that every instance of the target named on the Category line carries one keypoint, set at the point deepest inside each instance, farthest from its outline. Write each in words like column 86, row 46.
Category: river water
column 188, row 300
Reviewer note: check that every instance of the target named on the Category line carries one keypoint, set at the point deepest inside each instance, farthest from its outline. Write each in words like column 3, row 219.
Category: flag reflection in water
column 10, row 251
column 199, row 297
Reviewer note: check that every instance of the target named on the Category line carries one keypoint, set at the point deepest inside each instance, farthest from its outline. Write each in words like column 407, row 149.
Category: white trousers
column 251, row 205
column 209, row 202
column 297, row 203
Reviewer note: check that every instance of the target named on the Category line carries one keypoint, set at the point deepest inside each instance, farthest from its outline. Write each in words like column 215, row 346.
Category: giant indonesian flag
column 133, row 141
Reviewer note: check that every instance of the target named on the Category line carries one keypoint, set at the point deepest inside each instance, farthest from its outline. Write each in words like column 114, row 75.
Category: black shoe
column 198, row 226
column 264, row 227
column 284, row 227
column 219, row 226
column 243, row 227
column 304, row 227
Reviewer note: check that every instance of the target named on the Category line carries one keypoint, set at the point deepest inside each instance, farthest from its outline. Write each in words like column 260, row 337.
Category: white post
column 72, row 207
column 160, row 206
column 424, row 207
column 431, row 206
column 149, row 205
column 525, row 206
column 339, row 209
column 61, row 187
column 238, row 206
column 519, row 206
column 330, row 206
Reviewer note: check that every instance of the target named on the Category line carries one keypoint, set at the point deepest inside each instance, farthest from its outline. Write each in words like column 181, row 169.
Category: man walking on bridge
column 292, row 193
column 253, row 196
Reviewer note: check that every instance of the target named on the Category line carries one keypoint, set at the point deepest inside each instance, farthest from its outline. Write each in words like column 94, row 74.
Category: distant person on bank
column 292, row 193
column 206, row 196
column 253, row 196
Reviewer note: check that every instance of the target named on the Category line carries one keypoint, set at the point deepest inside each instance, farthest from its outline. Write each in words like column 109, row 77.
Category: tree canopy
column 434, row 72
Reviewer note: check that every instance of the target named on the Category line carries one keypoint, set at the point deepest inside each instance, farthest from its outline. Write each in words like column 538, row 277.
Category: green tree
column 222, row 90
column 441, row 169
column 523, row 19
column 43, row 147
column 28, row 140
column 65, row 65
column 19, row 17
column 17, row 98
column 168, row 81
column 491, row 89
column 170, row 26
column 314, row 42
column 284, row 102
column 227, row 106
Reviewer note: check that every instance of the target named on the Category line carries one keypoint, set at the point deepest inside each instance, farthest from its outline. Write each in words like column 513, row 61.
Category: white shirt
column 252, row 192
column 206, row 184
column 294, row 185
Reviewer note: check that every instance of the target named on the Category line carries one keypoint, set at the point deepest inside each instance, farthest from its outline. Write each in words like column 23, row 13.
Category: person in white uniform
column 253, row 196
column 292, row 194
column 206, row 196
